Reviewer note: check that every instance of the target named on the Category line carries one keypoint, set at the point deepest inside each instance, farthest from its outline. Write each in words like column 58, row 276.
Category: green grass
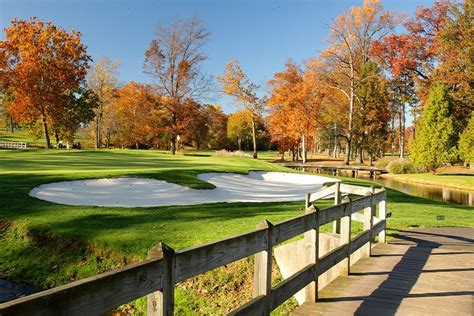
column 51, row 244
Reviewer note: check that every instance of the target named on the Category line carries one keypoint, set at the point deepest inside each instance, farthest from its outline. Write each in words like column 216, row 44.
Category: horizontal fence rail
column 157, row 276
column 13, row 145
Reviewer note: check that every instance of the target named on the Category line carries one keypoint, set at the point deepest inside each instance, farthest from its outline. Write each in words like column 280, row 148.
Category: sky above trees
column 262, row 35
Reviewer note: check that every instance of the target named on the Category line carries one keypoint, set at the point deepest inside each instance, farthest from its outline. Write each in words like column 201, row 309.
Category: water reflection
column 426, row 191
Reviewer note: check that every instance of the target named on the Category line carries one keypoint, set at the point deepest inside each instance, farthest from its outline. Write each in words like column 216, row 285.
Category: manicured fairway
column 54, row 244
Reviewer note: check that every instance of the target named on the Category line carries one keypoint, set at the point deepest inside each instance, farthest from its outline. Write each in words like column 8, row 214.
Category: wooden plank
column 200, row 259
column 293, row 227
column 332, row 258
column 332, row 213
column 262, row 281
column 354, row 189
column 323, row 192
column 253, row 307
column 312, row 253
column 290, row 286
column 92, row 296
column 336, row 226
column 161, row 303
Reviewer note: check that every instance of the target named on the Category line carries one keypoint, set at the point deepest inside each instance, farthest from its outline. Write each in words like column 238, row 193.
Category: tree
column 173, row 59
column 437, row 136
column 239, row 126
column 79, row 109
column 295, row 97
column 137, row 115
column 373, row 114
column 466, row 143
column 102, row 80
column 237, row 85
column 351, row 36
column 43, row 63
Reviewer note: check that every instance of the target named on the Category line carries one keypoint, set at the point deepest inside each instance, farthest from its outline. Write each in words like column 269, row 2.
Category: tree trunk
column 401, row 139
column 173, row 143
column 351, row 114
column 46, row 133
column 98, row 127
column 239, row 142
column 303, row 148
column 11, row 124
column 254, row 138
column 393, row 137
column 371, row 160
column 56, row 137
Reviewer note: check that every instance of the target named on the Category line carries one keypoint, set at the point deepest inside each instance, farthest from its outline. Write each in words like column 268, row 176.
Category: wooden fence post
column 262, row 282
column 307, row 202
column 337, row 200
column 346, row 222
column 161, row 303
column 369, row 213
column 382, row 216
column 311, row 238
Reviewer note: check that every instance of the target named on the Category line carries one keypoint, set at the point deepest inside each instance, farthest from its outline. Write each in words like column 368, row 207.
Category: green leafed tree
column 466, row 143
column 436, row 142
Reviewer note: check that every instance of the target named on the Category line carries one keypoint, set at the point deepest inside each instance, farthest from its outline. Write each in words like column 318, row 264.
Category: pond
column 436, row 193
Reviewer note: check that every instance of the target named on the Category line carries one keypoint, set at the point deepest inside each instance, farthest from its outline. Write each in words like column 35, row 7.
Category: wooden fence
column 157, row 276
column 13, row 145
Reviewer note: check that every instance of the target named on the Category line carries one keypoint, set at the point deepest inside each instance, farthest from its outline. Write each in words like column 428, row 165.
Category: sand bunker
column 141, row 192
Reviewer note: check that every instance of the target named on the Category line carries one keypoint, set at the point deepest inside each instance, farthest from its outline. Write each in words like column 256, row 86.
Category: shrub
column 402, row 166
column 227, row 153
column 383, row 162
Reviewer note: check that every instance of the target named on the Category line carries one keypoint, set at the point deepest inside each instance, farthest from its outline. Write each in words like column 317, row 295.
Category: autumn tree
column 43, row 63
column 239, row 126
column 102, row 80
column 436, row 144
column 236, row 84
column 136, row 114
column 173, row 60
column 295, row 97
column 79, row 107
column 466, row 143
column 351, row 38
column 372, row 114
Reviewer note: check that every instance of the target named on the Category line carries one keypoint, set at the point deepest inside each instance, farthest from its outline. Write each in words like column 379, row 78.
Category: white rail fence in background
column 13, row 145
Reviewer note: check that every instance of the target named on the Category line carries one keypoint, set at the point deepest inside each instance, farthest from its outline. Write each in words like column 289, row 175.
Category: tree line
column 352, row 98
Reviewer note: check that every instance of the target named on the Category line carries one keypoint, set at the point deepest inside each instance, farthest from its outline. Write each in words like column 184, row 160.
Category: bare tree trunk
column 173, row 143
column 56, row 137
column 393, row 137
column 239, row 141
column 254, row 138
column 303, row 148
column 98, row 127
column 401, row 134
column 11, row 124
column 46, row 132
column 351, row 114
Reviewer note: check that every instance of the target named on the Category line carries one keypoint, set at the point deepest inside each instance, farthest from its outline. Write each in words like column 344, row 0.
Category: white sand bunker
column 141, row 192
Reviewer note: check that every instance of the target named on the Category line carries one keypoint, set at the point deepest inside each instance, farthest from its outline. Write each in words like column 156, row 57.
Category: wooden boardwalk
column 422, row 272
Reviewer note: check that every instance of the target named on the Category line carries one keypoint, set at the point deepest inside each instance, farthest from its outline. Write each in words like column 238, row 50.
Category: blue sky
column 260, row 34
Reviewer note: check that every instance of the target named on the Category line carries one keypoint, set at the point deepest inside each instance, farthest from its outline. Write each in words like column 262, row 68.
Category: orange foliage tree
column 294, row 102
column 41, row 64
column 237, row 85
column 137, row 114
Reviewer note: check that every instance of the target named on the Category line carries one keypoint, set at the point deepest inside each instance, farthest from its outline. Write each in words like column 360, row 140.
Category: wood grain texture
column 197, row 260
column 94, row 295
column 421, row 272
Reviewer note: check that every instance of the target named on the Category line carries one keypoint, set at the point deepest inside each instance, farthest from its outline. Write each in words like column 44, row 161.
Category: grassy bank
column 464, row 181
column 48, row 244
